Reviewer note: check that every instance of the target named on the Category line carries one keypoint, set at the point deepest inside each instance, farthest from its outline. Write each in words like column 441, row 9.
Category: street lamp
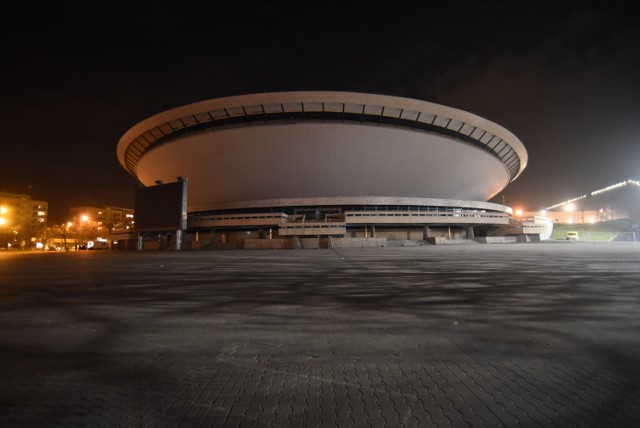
column 3, row 211
column 65, row 226
column 84, row 228
column 5, row 225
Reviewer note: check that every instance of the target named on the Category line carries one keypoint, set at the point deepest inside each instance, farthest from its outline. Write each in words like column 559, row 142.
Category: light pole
column 4, row 224
column 65, row 226
column 82, row 224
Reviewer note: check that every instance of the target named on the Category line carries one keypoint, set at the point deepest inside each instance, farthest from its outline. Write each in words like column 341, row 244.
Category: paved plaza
column 537, row 334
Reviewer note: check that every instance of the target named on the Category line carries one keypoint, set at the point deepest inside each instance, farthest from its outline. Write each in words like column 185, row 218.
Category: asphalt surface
column 538, row 334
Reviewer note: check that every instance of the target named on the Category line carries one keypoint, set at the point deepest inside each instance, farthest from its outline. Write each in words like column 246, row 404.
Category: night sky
column 564, row 78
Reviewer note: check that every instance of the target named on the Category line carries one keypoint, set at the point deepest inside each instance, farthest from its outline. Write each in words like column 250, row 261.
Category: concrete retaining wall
column 151, row 245
column 357, row 242
column 497, row 239
column 437, row 240
column 306, row 243
column 508, row 239
column 268, row 244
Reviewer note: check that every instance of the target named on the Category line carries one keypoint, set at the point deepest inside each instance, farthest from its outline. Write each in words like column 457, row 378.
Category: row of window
column 311, row 226
column 245, row 115
column 426, row 214
column 251, row 217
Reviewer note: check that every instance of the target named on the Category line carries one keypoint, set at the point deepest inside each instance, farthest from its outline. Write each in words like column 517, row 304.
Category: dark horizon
column 562, row 78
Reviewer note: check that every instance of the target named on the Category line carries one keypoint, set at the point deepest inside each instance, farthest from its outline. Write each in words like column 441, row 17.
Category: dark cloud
column 562, row 77
column 572, row 99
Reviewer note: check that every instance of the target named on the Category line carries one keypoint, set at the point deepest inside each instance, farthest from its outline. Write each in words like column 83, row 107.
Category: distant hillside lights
column 616, row 186
column 569, row 204
column 615, row 202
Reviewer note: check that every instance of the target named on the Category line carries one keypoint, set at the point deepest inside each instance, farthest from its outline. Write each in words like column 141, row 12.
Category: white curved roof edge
column 347, row 200
column 324, row 96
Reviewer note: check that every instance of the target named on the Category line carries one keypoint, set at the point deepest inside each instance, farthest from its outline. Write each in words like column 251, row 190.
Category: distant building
column 23, row 221
column 101, row 217
column 90, row 226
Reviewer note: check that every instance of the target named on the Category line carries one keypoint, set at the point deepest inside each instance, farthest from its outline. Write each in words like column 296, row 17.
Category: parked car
column 572, row 236
column 98, row 244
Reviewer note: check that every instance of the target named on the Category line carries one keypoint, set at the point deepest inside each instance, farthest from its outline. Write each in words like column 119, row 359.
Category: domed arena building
column 291, row 169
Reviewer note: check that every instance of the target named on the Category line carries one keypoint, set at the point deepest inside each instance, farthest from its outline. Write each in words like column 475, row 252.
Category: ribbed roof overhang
column 247, row 110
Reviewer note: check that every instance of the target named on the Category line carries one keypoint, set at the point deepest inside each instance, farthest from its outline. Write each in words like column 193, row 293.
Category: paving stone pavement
column 538, row 334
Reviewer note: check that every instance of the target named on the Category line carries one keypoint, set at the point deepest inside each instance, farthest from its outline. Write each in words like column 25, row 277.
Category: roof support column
column 470, row 234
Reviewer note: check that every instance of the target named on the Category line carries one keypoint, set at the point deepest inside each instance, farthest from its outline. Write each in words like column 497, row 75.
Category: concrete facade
column 23, row 221
column 345, row 165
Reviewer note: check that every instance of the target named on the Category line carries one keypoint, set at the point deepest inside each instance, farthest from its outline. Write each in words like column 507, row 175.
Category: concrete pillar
column 373, row 231
column 140, row 244
column 470, row 234
column 179, row 238
column 425, row 233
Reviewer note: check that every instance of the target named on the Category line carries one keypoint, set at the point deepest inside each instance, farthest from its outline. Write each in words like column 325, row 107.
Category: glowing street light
column 570, row 207
column 3, row 211
column 84, row 218
column 65, row 227
column 519, row 212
